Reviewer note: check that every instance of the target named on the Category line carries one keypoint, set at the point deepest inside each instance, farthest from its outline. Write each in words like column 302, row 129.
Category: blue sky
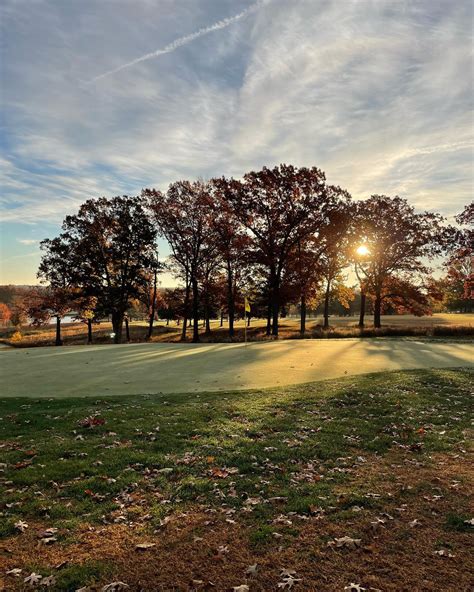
column 105, row 97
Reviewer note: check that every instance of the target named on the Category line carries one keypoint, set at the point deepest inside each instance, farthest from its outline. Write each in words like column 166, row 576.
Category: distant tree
column 86, row 311
column 278, row 207
column 172, row 304
column 5, row 314
column 406, row 297
column 183, row 216
column 59, row 296
column 460, row 263
column 302, row 278
column 106, row 250
column 334, row 246
column 399, row 242
column 19, row 316
column 59, row 302
column 233, row 246
column 150, row 296
column 35, row 306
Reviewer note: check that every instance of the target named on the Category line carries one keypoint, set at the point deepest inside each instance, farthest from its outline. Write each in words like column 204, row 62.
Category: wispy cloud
column 374, row 93
column 28, row 241
column 174, row 45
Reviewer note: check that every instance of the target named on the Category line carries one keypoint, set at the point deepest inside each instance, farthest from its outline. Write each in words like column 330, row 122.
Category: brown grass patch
column 393, row 556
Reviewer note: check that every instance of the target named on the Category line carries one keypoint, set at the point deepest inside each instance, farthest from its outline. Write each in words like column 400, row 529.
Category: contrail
column 222, row 24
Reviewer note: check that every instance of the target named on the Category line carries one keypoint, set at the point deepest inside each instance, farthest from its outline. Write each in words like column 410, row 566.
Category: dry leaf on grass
column 144, row 546
column 345, row 541
column 33, row 579
column 443, row 553
column 289, row 578
column 114, row 587
column 21, row 526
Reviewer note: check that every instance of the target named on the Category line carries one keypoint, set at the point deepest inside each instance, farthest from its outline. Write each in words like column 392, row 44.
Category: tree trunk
column 207, row 320
column 362, row 309
column 117, row 324
column 58, row 331
column 167, row 321
column 222, row 318
column 195, row 311
column 230, row 300
column 153, row 307
column 248, row 321
column 275, row 305
column 377, row 310
column 127, row 330
column 303, row 314
column 326, row 305
column 186, row 309
column 89, row 331
column 269, row 317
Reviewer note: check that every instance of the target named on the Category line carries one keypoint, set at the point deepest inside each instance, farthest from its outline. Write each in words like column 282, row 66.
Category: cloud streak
column 177, row 43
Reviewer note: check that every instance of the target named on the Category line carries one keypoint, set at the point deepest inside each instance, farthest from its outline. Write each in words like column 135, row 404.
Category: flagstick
column 245, row 327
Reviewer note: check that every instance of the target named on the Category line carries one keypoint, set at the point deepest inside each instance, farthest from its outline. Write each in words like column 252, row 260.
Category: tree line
column 279, row 236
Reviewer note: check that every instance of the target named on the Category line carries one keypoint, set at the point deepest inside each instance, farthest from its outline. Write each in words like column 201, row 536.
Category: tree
column 105, row 250
column 5, row 313
column 183, row 216
column 233, row 245
column 58, row 298
column 398, row 241
column 35, row 306
column 302, row 277
column 150, row 297
column 58, row 301
column 460, row 263
column 278, row 207
column 86, row 311
column 172, row 304
column 334, row 249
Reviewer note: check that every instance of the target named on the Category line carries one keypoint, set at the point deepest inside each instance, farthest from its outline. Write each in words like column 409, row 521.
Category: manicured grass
column 437, row 325
column 270, row 462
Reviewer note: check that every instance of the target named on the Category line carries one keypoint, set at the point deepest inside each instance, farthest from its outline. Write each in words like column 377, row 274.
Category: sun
column 363, row 250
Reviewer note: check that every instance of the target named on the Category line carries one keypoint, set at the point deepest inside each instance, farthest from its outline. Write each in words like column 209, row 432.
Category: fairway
column 173, row 368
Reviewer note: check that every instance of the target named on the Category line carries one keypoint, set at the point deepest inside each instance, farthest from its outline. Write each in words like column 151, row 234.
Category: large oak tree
column 279, row 207
column 106, row 250
column 183, row 216
column 399, row 242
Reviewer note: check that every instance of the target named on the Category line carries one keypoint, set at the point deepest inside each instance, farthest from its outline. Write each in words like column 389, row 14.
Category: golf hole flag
column 247, row 305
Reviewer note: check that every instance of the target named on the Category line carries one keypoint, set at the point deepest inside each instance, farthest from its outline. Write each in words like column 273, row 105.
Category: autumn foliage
column 279, row 237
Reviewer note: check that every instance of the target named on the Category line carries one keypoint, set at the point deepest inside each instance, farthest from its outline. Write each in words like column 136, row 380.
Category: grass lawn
column 437, row 325
column 362, row 480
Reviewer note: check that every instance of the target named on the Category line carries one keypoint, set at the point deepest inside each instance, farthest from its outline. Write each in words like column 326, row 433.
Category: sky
column 105, row 97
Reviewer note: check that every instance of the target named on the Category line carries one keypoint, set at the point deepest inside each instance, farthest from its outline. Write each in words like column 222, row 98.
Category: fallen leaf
column 144, row 546
column 33, row 579
column 443, row 553
column 346, row 541
column 21, row 526
column 114, row 587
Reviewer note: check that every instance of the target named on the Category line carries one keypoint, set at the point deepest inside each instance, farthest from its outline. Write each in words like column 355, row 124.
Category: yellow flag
column 247, row 305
